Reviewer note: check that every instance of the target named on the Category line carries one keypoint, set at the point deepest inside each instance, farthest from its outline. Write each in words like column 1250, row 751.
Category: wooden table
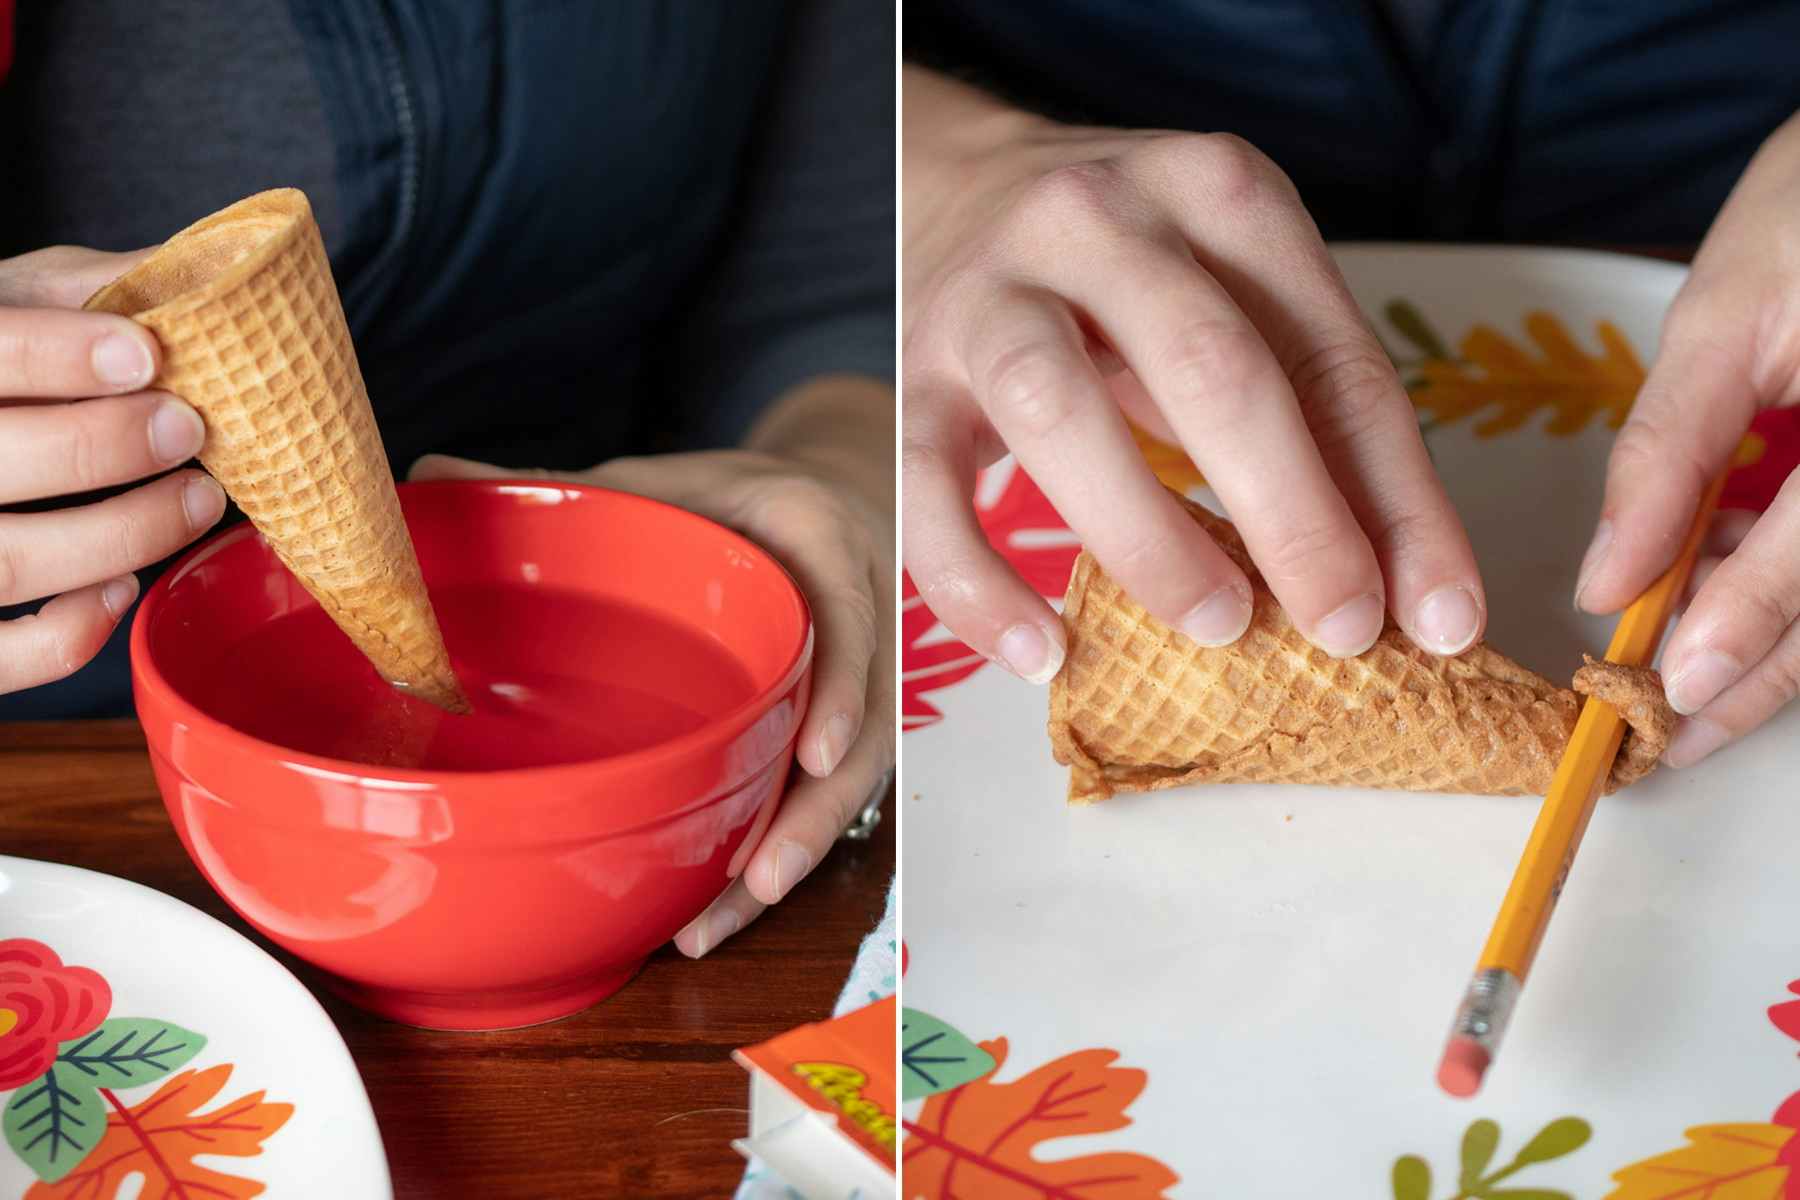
column 635, row 1098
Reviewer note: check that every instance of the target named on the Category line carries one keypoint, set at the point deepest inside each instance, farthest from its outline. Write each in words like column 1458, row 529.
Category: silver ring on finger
column 868, row 819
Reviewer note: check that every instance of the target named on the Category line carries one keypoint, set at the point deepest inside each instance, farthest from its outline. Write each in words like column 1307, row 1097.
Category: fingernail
column 176, row 432
column 833, row 742
column 713, row 928
column 1446, row 620
column 1596, row 554
column 118, row 594
column 791, row 865
column 1031, row 653
column 1699, row 678
column 1352, row 628
column 120, row 361
column 204, row 501
column 1695, row 738
column 1218, row 620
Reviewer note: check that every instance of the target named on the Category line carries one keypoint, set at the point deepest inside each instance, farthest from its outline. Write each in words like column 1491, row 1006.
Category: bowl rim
column 721, row 728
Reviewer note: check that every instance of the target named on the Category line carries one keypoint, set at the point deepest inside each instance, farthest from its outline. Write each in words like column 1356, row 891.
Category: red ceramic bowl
column 483, row 898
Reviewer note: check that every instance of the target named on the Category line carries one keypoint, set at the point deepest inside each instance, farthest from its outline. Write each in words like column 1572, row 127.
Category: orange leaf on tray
column 1168, row 463
column 1720, row 1162
column 1497, row 373
column 978, row 1139
column 159, row 1138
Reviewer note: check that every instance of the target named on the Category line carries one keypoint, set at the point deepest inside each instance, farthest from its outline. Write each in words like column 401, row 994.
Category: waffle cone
column 1138, row 706
column 253, row 336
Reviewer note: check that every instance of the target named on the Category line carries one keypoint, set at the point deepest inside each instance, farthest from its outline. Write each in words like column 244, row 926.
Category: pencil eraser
column 1465, row 1062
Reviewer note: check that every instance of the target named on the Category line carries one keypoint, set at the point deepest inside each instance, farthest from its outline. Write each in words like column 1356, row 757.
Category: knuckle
column 948, row 575
column 1238, row 171
column 856, row 611
column 50, row 652
column 1081, row 192
column 26, row 362
column 922, row 459
column 1777, row 679
column 1645, row 449
column 808, row 500
column 1219, row 359
column 846, row 807
column 1347, row 390
column 805, row 510
column 1401, row 536
column 1299, row 550
column 1756, row 600
column 130, row 540
column 1146, row 556
column 10, row 571
column 1025, row 385
column 1638, row 445
column 79, row 452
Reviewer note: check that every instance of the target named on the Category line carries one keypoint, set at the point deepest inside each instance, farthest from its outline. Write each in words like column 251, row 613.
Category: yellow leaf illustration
column 1170, row 463
column 1721, row 1162
column 1496, row 373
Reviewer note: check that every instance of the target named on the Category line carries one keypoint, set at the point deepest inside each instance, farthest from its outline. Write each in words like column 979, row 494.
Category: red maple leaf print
column 1023, row 526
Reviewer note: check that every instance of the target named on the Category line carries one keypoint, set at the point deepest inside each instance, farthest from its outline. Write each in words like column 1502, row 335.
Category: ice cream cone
column 1138, row 706
column 253, row 336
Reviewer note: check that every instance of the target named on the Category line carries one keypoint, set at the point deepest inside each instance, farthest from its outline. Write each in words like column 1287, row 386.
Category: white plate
column 1283, row 963
column 259, row 1033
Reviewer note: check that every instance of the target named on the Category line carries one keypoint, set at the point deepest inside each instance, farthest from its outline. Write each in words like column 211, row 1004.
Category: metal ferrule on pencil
column 1486, row 1007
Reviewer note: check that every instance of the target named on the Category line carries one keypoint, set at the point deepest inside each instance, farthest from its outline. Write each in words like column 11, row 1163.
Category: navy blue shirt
column 1622, row 121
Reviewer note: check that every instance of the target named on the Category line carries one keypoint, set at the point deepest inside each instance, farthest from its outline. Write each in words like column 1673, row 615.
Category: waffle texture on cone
column 253, row 336
column 1138, row 706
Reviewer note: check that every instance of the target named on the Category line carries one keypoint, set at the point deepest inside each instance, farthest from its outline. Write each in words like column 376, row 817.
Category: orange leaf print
column 1170, row 464
column 1497, row 373
column 1720, row 1162
column 975, row 1142
column 159, row 1138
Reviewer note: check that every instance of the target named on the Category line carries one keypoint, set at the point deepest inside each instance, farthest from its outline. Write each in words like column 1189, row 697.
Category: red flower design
column 1754, row 486
column 42, row 1005
column 1786, row 1015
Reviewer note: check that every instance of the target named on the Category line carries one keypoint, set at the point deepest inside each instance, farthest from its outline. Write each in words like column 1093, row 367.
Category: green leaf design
column 1478, row 1146
column 935, row 1057
column 1412, row 326
column 128, row 1052
column 1412, row 1178
column 54, row 1121
column 1562, row 1136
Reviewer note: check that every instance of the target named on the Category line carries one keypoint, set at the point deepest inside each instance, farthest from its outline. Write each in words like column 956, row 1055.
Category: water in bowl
column 553, row 677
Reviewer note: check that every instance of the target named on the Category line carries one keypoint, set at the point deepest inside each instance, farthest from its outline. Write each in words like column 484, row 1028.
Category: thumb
column 62, row 276
column 1694, row 407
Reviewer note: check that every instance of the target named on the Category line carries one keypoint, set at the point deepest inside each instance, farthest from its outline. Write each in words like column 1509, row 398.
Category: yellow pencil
column 1525, row 913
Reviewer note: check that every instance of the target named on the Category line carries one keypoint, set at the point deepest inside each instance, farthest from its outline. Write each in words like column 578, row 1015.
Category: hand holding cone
column 253, row 336
column 1138, row 706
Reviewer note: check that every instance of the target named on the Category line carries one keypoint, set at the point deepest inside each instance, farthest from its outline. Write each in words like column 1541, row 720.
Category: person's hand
column 51, row 354
column 1057, row 275
column 814, row 487
column 1730, row 346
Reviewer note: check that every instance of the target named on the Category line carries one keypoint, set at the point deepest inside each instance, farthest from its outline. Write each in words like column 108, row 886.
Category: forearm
column 843, row 425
